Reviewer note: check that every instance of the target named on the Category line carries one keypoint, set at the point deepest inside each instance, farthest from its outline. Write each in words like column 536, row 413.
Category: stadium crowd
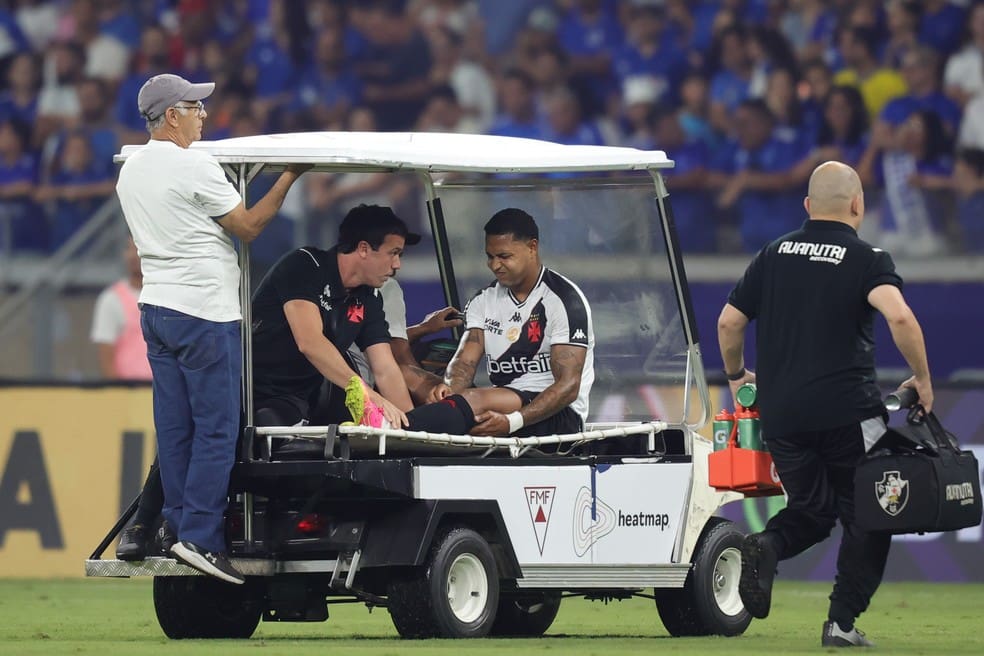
column 747, row 96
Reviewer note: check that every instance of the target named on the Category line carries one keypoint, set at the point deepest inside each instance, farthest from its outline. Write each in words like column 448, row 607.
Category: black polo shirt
column 347, row 316
column 808, row 294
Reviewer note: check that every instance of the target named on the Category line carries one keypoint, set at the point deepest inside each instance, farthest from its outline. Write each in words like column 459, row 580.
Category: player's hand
column 299, row 169
column 923, row 387
column 437, row 392
column 440, row 319
column 749, row 377
column 491, row 423
column 396, row 417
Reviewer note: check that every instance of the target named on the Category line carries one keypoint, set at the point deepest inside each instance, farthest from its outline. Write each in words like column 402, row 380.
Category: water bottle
column 746, row 395
column 749, row 429
column 724, row 421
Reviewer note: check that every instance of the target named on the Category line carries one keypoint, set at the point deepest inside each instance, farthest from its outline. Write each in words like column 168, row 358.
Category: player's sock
column 449, row 415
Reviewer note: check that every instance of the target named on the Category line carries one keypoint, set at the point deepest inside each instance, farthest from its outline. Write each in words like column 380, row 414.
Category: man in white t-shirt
column 181, row 209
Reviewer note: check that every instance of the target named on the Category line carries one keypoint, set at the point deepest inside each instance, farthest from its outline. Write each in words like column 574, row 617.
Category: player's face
column 384, row 262
column 512, row 260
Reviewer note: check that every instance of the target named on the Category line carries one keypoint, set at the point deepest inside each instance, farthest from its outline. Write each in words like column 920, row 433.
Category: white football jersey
column 518, row 336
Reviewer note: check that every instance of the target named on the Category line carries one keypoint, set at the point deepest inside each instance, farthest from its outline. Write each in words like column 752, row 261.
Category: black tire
column 526, row 614
column 678, row 612
column 204, row 607
column 423, row 604
column 709, row 603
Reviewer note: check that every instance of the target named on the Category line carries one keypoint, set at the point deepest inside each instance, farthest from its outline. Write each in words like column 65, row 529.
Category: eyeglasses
column 199, row 107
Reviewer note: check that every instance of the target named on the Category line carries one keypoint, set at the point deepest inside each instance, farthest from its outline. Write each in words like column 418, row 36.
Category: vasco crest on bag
column 892, row 492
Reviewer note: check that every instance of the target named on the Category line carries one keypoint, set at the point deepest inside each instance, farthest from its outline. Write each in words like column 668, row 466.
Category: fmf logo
column 540, row 502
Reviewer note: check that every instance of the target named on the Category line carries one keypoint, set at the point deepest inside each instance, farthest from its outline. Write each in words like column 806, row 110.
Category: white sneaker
column 207, row 562
column 834, row 636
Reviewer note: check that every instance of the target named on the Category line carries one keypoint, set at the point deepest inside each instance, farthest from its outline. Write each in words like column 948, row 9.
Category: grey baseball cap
column 162, row 91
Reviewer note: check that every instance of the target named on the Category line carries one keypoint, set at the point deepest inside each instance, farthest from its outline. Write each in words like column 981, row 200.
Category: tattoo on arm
column 567, row 363
column 461, row 370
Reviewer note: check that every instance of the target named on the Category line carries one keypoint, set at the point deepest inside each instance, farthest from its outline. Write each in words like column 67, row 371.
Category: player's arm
column 461, row 370
column 389, row 378
column 566, row 363
column 304, row 319
column 908, row 337
column 247, row 224
column 424, row 386
column 434, row 322
column 107, row 361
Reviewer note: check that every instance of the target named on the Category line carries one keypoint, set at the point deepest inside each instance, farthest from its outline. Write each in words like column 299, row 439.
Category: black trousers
column 817, row 472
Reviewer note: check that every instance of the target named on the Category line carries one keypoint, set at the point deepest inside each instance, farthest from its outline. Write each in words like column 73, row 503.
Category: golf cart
column 466, row 536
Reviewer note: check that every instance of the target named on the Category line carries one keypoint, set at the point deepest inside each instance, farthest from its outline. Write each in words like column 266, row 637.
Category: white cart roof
column 425, row 151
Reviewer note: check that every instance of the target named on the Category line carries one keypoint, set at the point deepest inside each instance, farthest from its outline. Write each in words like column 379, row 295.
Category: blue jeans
column 197, row 366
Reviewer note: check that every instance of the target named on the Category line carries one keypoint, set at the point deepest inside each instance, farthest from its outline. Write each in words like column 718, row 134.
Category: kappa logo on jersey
column 816, row 252
column 356, row 313
column 534, row 331
column 892, row 492
column 540, row 502
column 516, row 317
column 579, row 334
column 593, row 519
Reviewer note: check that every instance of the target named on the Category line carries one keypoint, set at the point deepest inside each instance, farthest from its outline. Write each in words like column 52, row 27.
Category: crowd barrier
column 71, row 458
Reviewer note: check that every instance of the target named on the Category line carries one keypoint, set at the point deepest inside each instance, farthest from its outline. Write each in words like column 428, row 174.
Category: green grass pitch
column 107, row 617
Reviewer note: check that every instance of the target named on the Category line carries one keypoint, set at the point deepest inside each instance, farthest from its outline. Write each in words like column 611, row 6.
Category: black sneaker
column 758, row 570
column 207, row 562
column 834, row 636
column 165, row 539
column 133, row 543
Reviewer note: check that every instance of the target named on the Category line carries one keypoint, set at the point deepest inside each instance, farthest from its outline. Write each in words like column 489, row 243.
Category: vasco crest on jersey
column 534, row 329
column 356, row 313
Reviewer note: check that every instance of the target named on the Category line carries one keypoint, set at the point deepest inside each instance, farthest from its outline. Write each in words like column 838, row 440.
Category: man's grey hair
column 155, row 123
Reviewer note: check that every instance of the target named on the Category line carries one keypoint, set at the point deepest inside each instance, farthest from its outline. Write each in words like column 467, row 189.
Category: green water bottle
column 749, row 429
column 723, row 422
column 747, row 395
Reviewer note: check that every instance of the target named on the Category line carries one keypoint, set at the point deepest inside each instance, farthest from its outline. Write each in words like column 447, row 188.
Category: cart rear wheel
column 204, row 607
column 454, row 595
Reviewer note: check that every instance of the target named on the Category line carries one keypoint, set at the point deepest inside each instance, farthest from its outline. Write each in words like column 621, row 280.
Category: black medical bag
column 917, row 480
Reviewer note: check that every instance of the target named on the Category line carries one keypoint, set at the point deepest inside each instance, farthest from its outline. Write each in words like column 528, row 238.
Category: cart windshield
column 604, row 234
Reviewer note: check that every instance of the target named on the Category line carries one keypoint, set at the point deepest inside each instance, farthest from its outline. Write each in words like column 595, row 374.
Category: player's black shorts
column 565, row 421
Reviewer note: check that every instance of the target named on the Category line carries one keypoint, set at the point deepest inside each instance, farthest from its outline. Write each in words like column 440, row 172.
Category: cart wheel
column 203, row 607
column 454, row 595
column 709, row 603
column 526, row 614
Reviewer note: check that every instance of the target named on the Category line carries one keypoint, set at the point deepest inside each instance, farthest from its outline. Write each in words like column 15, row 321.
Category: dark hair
column 512, row 221
column 859, row 117
column 937, row 141
column 759, row 107
column 21, row 130
column 974, row 158
column 372, row 224
column 867, row 37
column 521, row 75
column 444, row 92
